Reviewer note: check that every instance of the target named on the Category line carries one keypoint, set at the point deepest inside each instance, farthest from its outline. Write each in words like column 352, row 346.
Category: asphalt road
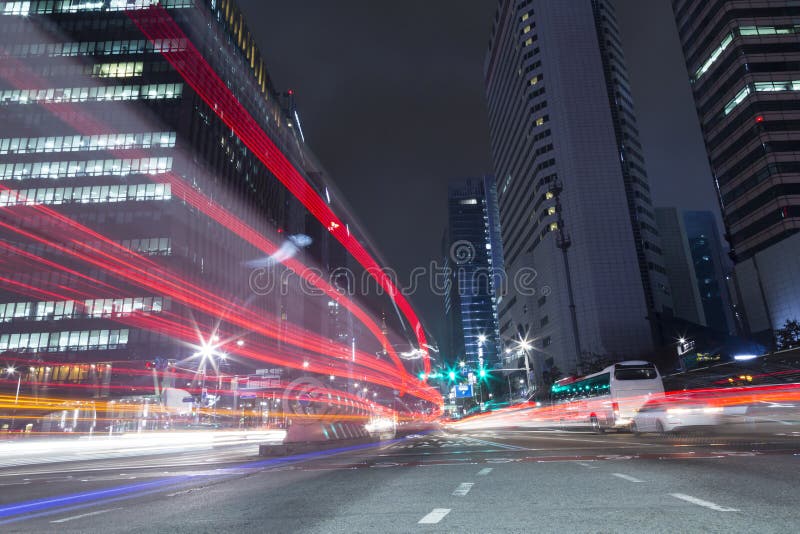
column 444, row 481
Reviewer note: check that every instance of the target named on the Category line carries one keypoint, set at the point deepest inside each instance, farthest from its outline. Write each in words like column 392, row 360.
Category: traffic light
column 149, row 364
column 482, row 373
column 452, row 375
column 422, row 376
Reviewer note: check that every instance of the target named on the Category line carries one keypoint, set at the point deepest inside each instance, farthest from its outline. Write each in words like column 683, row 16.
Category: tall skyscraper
column 743, row 61
column 474, row 258
column 574, row 197
column 160, row 209
column 696, row 267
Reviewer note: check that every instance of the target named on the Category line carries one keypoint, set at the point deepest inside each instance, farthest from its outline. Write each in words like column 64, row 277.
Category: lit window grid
column 744, row 31
column 87, row 143
column 94, row 48
column 70, row 340
column 47, row 7
column 123, row 69
column 85, row 195
column 55, row 310
column 94, row 167
column 789, row 85
column 159, row 91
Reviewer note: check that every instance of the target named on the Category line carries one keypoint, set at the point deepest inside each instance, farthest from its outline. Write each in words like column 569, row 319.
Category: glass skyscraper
column 743, row 62
column 573, row 192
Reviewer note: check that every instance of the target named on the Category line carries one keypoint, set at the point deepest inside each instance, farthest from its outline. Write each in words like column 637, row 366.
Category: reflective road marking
column 701, row 502
column 463, row 489
column 627, row 477
column 485, row 471
column 98, row 512
column 434, row 517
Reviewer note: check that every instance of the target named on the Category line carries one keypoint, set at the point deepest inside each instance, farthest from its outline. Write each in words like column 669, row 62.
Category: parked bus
column 608, row 399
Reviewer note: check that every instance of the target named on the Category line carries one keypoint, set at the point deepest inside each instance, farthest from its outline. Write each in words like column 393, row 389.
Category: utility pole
column 563, row 242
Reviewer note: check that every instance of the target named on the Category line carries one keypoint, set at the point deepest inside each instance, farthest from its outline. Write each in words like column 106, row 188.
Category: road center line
column 627, row 477
column 463, row 489
column 97, row 512
column 701, row 502
column 434, row 517
column 485, row 471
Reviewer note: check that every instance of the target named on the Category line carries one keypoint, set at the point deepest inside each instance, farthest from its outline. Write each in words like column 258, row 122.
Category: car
column 673, row 413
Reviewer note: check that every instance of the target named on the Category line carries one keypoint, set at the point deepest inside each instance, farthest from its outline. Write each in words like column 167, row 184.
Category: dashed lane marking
column 626, row 477
column 463, row 489
column 485, row 471
column 71, row 518
column 701, row 502
column 434, row 517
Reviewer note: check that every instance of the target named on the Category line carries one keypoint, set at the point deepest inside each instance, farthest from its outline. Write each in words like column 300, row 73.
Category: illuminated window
column 539, row 121
column 553, row 226
column 468, row 201
column 549, row 195
column 80, row 6
column 75, row 340
column 525, row 17
column 97, row 194
column 86, row 143
column 714, row 56
column 91, row 94
column 154, row 246
column 534, row 80
column 526, row 29
column 125, row 69
column 551, row 210
column 528, row 41
column 788, row 85
column 71, row 309
column 94, row 48
column 92, row 167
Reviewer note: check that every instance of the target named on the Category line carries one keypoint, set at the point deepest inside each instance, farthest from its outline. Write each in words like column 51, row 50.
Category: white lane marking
column 493, row 444
column 584, row 464
column 701, row 502
column 485, row 471
column 627, row 477
column 434, row 517
column 98, row 512
column 463, row 489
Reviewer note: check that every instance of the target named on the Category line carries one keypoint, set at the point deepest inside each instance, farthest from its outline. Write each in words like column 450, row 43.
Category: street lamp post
column 11, row 371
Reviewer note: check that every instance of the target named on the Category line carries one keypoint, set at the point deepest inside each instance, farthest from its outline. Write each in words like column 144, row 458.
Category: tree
column 788, row 336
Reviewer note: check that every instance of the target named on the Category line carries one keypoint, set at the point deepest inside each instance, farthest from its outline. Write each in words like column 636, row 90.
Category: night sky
column 391, row 100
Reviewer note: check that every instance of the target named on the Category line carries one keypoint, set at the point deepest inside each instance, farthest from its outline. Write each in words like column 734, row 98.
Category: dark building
column 696, row 267
column 743, row 61
column 573, row 192
column 474, row 258
column 160, row 209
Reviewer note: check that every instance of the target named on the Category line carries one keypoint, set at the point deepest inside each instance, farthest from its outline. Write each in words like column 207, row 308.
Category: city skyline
column 447, row 110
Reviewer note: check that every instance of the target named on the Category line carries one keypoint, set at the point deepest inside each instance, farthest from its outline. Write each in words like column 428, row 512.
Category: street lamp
column 10, row 370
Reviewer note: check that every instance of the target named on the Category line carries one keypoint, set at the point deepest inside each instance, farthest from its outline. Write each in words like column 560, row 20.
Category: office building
column 696, row 267
column 573, row 192
column 743, row 62
column 161, row 210
column 474, row 259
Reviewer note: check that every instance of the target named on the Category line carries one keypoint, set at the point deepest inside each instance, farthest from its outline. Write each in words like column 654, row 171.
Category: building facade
column 697, row 267
column 574, row 198
column 161, row 210
column 743, row 60
column 474, row 262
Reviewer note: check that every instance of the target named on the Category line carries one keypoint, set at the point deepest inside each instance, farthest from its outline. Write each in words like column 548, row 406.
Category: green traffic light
column 482, row 373
column 452, row 375
column 422, row 376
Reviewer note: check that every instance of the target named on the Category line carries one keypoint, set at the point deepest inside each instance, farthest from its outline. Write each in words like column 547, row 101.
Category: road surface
column 443, row 481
